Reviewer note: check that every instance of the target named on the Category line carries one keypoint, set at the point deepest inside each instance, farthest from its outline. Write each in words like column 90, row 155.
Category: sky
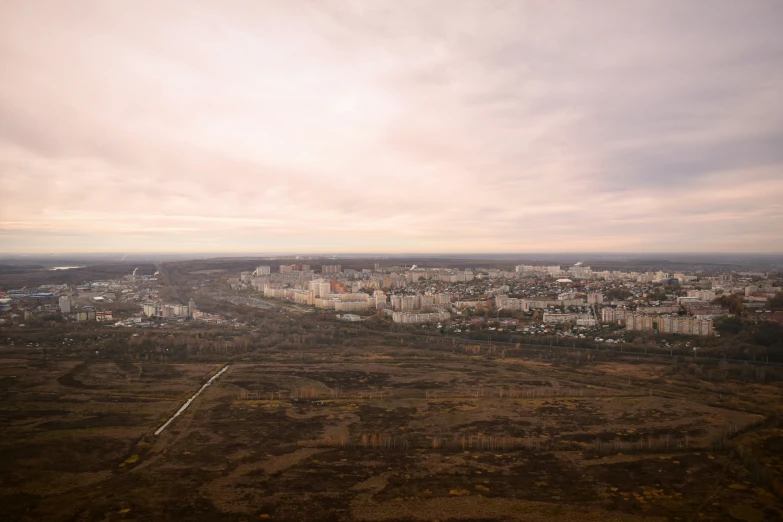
column 323, row 126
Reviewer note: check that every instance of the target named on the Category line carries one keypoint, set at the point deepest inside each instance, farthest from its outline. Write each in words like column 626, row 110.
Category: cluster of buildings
column 84, row 302
column 668, row 324
column 577, row 318
column 424, row 302
column 550, row 295
column 504, row 302
column 67, row 306
column 93, row 301
column 21, row 306
column 356, row 291
column 663, row 319
column 160, row 310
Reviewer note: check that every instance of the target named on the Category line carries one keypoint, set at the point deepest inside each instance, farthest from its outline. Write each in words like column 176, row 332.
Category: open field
column 384, row 433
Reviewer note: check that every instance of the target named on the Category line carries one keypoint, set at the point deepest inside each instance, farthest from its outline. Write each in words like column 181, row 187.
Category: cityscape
column 383, row 261
column 572, row 301
column 468, row 364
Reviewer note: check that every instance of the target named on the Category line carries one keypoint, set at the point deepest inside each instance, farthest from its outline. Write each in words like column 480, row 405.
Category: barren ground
column 383, row 433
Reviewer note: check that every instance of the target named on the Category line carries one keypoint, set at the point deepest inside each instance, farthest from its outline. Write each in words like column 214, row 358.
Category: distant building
column 595, row 298
column 556, row 318
column 414, row 318
column 684, row 325
column 294, row 268
column 580, row 272
column 262, row 270
column 639, row 322
column 702, row 295
column 89, row 315
column 151, row 309
column 663, row 309
column 175, row 310
column 331, row 269
column 380, row 298
column 554, row 271
column 65, row 304
column 532, row 304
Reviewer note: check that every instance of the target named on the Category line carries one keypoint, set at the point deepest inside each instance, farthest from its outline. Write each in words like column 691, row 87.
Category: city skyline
column 391, row 127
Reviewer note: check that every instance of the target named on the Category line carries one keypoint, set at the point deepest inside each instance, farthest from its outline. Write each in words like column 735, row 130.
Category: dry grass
column 76, row 440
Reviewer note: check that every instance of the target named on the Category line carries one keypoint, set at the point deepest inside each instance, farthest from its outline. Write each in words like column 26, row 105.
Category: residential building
column 639, row 322
column 702, row 295
column 262, row 270
column 65, row 304
column 684, row 325
column 595, row 298
column 418, row 318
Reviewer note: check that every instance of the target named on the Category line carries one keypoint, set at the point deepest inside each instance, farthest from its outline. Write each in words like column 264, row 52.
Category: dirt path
column 189, row 401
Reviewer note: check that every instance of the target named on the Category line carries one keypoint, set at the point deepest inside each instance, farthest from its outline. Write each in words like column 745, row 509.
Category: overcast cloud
column 400, row 126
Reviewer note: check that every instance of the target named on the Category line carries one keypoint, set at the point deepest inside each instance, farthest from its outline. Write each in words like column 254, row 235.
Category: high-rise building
column 684, row 325
column 595, row 298
column 660, row 276
column 380, row 298
column 263, row 270
column 151, row 309
column 331, row 269
column 639, row 322
column 580, row 272
column 554, row 270
column 65, row 304
column 702, row 295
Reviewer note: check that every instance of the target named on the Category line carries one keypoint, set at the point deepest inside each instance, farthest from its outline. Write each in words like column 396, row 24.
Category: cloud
column 391, row 126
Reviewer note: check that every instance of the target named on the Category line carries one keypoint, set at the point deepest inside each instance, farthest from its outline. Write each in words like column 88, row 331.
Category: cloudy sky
column 400, row 126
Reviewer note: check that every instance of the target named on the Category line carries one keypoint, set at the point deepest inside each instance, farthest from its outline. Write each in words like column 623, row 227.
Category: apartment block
column 639, row 322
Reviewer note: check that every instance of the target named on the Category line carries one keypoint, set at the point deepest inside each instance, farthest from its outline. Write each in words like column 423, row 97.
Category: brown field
column 385, row 433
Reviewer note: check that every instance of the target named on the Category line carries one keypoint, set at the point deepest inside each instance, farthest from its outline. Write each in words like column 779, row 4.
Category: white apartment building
column 581, row 272
column 532, row 304
column 702, row 295
column 684, row 325
column 639, row 322
column 65, row 304
column 414, row 318
column 558, row 318
column 262, row 270
column 613, row 315
column 595, row 298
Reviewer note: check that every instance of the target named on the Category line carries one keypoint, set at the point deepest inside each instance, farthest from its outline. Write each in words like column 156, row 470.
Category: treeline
column 724, row 370
column 477, row 392
column 503, row 442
